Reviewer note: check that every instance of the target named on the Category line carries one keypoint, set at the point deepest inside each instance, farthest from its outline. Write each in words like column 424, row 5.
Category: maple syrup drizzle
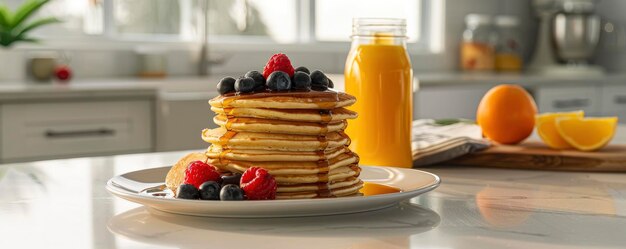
column 323, row 129
column 323, row 99
column 226, row 137
column 327, row 116
column 323, row 185
column 323, row 142
column 370, row 188
column 323, row 164
column 222, row 155
column 229, row 122
column 344, row 135
column 228, row 111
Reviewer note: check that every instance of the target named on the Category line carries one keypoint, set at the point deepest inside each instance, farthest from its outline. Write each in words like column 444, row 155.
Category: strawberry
column 199, row 172
column 278, row 62
column 258, row 184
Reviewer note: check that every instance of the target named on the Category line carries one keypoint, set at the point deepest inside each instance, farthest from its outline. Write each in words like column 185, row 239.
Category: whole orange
column 506, row 114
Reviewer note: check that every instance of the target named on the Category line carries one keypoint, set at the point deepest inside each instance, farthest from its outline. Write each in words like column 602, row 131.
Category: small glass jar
column 508, row 48
column 477, row 48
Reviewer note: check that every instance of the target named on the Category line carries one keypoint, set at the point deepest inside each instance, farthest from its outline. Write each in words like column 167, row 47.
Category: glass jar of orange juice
column 378, row 73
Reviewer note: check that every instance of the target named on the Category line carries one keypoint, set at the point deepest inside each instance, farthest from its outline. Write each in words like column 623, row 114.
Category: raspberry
column 258, row 184
column 199, row 172
column 278, row 62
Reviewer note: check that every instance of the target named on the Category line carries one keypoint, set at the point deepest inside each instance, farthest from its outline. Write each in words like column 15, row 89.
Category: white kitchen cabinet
column 564, row 98
column 180, row 119
column 44, row 130
column 448, row 102
column 614, row 101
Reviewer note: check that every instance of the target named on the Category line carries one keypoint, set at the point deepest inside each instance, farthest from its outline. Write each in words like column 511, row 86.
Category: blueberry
column 231, row 179
column 226, row 85
column 302, row 69
column 330, row 83
column 301, row 81
column 210, row 190
column 187, row 191
column 278, row 80
column 318, row 80
column 259, row 81
column 244, row 85
column 231, row 192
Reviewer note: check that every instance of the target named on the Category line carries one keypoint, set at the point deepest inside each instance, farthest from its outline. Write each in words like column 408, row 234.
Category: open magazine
column 436, row 141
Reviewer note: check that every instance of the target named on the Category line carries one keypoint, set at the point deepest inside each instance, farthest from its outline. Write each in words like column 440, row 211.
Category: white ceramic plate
column 145, row 187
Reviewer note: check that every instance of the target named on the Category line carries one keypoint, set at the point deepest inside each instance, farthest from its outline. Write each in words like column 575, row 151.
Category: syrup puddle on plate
column 370, row 189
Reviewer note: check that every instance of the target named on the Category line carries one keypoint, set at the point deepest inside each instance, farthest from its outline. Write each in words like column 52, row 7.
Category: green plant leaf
column 37, row 23
column 5, row 18
column 13, row 26
column 26, row 10
column 6, row 39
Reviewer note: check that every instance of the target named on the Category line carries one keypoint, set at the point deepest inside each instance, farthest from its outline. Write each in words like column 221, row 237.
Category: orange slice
column 587, row 134
column 546, row 128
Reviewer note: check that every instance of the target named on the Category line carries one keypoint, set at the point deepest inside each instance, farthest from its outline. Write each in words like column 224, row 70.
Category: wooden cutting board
column 535, row 155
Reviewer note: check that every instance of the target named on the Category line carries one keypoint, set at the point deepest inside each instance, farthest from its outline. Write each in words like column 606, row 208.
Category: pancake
column 302, row 115
column 333, row 175
column 278, row 126
column 285, row 100
column 269, row 141
column 315, row 187
column 176, row 176
column 215, row 152
column 351, row 190
column 288, row 168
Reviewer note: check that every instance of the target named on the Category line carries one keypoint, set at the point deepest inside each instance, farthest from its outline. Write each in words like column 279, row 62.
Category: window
column 147, row 17
column 272, row 20
column 333, row 19
column 229, row 21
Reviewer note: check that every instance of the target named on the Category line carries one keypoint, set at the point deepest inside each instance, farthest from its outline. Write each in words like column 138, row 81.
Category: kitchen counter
column 196, row 87
column 63, row 204
column 110, row 88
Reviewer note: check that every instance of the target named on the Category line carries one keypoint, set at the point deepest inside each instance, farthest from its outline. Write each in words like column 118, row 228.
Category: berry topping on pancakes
column 199, row 172
column 258, row 184
column 278, row 62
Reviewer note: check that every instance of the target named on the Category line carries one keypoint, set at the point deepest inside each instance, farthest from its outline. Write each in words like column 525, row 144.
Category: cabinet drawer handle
column 620, row 99
column 79, row 133
column 571, row 103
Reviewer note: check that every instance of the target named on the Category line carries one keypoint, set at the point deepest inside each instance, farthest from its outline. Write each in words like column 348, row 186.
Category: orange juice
column 378, row 73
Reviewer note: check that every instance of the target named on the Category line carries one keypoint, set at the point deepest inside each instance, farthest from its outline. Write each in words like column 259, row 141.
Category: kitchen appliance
column 568, row 36
column 575, row 35
column 573, row 44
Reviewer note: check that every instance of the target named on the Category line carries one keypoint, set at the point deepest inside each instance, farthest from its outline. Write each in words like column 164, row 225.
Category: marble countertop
column 63, row 204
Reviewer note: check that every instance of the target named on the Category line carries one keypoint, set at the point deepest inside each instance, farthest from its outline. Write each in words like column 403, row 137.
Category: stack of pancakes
column 297, row 136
